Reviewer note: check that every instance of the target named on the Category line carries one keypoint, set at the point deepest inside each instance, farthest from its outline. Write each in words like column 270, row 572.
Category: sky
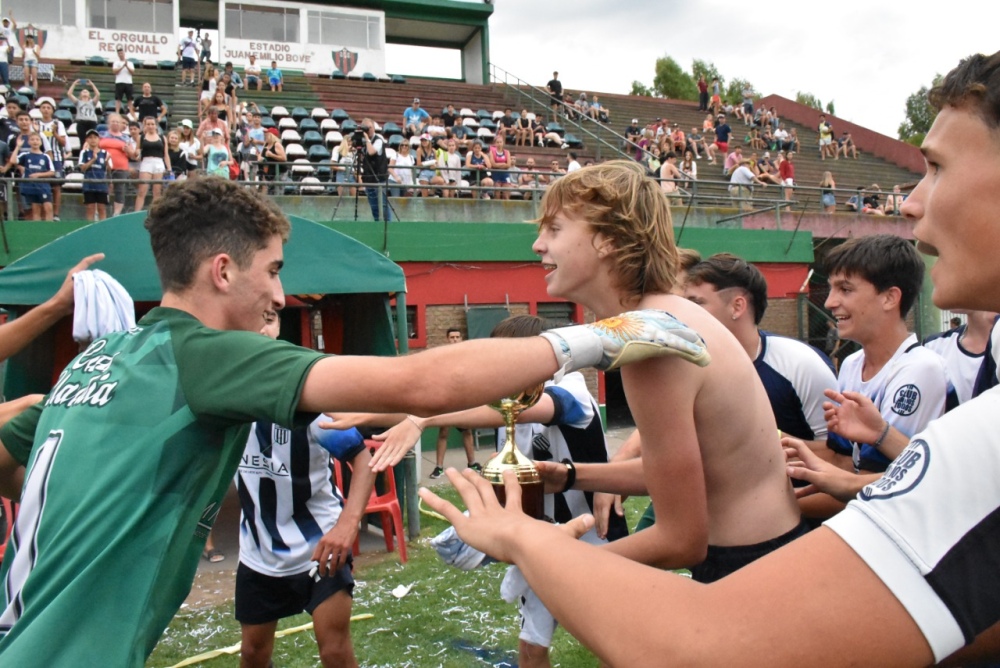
column 868, row 56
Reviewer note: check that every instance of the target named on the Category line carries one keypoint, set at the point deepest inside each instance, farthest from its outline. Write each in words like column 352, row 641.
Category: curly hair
column 198, row 218
column 625, row 206
column 975, row 80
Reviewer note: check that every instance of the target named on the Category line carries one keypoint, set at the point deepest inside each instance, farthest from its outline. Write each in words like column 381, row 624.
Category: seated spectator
column 478, row 163
column 530, row 181
column 582, row 106
column 893, row 202
column 462, row 135
column 652, row 161
column 781, row 137
column 252, row 74
column 437, row 131
column 754, row 140
column 450, row 168
column 733, row 161
column 670, row 176
column 846, row 145
column 598, row 111
column 872, row 203
column 708, row 124
column 449, row 116
column 741, row 185
column 678, row 139
column 555, row 170
column 768, row 138
column 662, row 128
column 275, row 77
column 507, row 126
column 401, row 172
column 765, row 169
column 522, row 130
column 86, row 107
column 633, row 133
column 414, row 119
column 695, row 143
column 233, row 75
column 688, row 168
column 426, row 160
column 572, row 112
column 855, row 202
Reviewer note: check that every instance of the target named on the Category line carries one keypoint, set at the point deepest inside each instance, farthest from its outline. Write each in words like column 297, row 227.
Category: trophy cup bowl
column 510, row 458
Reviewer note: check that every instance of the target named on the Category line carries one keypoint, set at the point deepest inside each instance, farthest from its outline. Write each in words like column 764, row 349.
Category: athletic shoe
column 565, row 145
column 55, row 217
column 455, row 552
column 436, row 473
column 475, row 466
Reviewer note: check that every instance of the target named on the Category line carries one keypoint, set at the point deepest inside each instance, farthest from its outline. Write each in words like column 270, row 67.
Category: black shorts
column 188, row 63
column 124, row 92
column 721, row 561
column 94, row 197
column 261, row 599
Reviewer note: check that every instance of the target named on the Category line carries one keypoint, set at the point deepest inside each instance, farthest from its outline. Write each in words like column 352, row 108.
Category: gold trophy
column 510, row 458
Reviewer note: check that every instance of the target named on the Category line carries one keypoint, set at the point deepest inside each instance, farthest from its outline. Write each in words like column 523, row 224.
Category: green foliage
column 449, row 618
column 639, row 88
column 830, row 109
column 734, row 91
column 809, row 100
column 702, row 67
column 673, row 82
column 920, row 115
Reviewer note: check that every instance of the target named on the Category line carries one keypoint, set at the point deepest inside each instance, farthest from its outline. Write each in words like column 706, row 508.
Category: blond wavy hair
column 621, row 203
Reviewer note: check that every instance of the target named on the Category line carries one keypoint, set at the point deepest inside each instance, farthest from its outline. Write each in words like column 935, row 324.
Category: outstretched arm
column 728, row 622
column 15, row 335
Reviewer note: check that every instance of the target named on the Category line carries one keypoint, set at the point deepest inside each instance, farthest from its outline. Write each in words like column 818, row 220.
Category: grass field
column 449, row 618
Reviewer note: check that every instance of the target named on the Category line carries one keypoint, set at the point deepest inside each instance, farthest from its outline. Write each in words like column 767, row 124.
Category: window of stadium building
column 51, row 12
column 137, row 15
column 277, row 24
column 363, row 32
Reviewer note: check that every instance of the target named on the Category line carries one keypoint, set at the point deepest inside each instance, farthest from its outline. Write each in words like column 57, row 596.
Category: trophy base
column 532, row 498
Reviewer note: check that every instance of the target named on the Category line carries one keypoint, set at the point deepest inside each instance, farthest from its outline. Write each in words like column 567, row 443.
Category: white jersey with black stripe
column 287, row 496
column 963, row 366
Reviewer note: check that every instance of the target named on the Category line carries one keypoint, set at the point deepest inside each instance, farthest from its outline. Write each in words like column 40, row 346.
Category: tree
column 919, row 115
column 673, row 82
column 701, row 67
column 639, row 88
column 830, row 108
column 809, row 100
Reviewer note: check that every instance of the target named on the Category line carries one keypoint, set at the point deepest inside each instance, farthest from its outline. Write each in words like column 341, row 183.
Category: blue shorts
column 501, row 176
column 39, row 194
column 425, row 175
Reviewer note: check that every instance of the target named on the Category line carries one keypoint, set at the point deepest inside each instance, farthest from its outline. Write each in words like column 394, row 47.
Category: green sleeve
column 242, row 376
column 18, row 435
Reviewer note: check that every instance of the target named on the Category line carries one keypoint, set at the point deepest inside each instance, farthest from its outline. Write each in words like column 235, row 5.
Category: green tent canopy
column 318, row 260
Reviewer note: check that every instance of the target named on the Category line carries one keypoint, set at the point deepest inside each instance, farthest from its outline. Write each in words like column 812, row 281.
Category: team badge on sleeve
column 906, row 400
column 903, row 474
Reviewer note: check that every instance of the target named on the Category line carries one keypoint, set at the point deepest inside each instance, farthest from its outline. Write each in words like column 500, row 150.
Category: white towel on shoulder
column 101, row 306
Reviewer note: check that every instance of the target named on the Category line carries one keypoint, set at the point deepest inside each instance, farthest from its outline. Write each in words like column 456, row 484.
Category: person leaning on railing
column 272, row 157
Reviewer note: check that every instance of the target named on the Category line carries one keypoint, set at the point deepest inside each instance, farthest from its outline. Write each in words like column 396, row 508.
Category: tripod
column 356, row 170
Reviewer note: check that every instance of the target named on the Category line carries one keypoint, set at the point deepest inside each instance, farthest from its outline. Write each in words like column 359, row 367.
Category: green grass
column 450, row 617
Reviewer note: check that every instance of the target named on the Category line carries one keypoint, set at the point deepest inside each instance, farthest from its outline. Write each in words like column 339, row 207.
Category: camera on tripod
column 358, row 139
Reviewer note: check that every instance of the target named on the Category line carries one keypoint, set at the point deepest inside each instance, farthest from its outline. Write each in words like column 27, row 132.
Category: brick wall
column 782, row 317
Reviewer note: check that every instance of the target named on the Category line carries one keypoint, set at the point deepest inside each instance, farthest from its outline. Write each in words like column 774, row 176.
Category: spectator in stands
column 741, row 185
column 437, row 131
column 722, row 133
column 233, row 76
column 893, row 202
column 449, row 116
column 571, row 162
column 53, row 130
column 147, row 105
column 582, row 105
column 556, row 170
column 733, row 161
column 190, row 147
column 120, row 148
column 94, row 165
column 401, row 172
column 342, row 161
column 228, row 86
column 209, row 83
column 462, row 134
column 30, row 55
column 414, row 119
column 507, row 126
column 678, row 139
column 86, row 106
column 154, row 161
column 206, row 49
column 633, row 133
column 846, row 145
column 827, row 197
column 855, row 202
column 275, row 77
column 702, row 93
column 273, row 156
column 252, row 74
column 188, row 52
column 522, row 130
column 747, row 103
column 793, row 141
column 501, row 161
column 872, row 203
column 8, row 124
column 450, row 168
column 123, row 71
column 479, row 164
column 135, row 133
column 529, row 180
column 212, row 122
column 827, row 148
column 689, row 169
column 25, row 125
column 253, row 139
column 768, row 138
column 555, row 89
column 34, row 164
column 670, row 176
column 178, row 164
column 217, row 156
column 426, row 158
column 754, row 140
column 786, row 170
column 716, row 101
column 651, row 161
column 7, row 31
column 764, row 169
column 781, row 138
column 600, row 113
column 695, row 143
column 708, row 123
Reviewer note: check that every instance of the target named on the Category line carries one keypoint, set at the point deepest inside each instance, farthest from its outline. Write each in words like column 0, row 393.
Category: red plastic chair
column 10, row 514
column 385, row 504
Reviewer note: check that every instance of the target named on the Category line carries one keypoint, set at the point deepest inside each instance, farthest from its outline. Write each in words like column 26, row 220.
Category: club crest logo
column 345, row 60
column 906, row 400
column 280, row 435
column 904, row 473
column 37, row 34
